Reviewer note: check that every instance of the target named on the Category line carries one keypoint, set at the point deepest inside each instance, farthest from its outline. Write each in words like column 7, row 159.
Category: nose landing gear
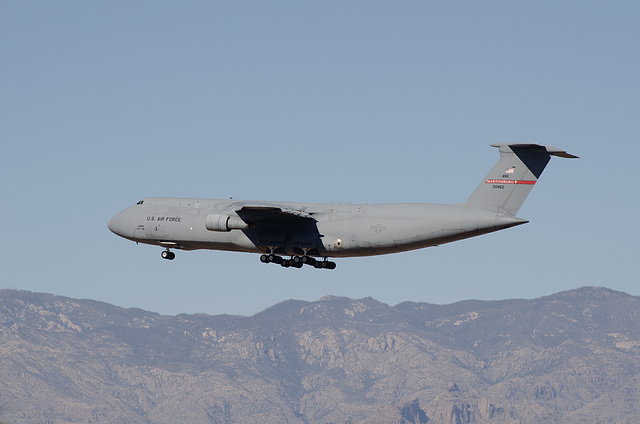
column 168, row 255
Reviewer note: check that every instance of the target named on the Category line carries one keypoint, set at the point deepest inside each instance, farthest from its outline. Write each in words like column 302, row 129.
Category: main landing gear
column 297, row 261
column 168, row 255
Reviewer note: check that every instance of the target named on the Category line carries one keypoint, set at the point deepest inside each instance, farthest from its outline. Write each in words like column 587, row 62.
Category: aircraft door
column 155, row 229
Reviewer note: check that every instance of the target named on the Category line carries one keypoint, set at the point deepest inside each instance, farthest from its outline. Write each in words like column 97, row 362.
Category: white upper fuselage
column 314, row 229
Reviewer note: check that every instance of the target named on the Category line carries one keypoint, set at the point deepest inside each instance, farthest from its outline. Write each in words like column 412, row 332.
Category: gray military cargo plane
column 310, row 233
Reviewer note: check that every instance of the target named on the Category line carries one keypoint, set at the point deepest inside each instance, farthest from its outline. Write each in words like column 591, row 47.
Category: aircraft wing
column 262, row 215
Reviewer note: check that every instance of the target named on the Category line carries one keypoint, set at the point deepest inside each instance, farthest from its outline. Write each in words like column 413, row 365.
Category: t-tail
column 506, row 187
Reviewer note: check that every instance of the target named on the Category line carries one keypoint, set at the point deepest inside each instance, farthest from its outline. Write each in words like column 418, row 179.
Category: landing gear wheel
column 325, row 264
column 294, row 262
column 274, row 258
column 168, row 255
column 309, row 260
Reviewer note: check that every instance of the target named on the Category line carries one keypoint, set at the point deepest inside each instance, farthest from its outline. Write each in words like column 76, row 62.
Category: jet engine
column 217, row 222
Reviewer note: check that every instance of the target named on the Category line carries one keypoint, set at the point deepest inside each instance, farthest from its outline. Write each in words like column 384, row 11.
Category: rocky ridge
column 570, row 357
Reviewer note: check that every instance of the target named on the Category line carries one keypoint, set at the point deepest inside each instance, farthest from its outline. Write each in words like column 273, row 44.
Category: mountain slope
column 569, row 357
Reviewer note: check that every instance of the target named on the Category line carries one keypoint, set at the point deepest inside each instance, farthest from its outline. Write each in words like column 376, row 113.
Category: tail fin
column 508, row 184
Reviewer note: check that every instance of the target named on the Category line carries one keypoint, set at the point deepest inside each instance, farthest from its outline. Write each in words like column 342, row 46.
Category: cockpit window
column 140, row 202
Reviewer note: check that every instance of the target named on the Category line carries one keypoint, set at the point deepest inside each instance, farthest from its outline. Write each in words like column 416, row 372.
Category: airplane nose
column 123, row 224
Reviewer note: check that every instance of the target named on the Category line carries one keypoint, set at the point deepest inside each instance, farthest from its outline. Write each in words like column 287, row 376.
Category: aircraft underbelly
column 374, row 236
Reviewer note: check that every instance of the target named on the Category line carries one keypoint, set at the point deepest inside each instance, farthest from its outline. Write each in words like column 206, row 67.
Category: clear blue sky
column 104, row 103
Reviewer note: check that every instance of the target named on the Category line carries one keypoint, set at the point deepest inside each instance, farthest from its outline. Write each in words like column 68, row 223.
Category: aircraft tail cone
column 506, row 221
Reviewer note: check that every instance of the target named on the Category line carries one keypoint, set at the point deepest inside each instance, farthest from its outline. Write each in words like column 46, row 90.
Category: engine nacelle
column 217, row 222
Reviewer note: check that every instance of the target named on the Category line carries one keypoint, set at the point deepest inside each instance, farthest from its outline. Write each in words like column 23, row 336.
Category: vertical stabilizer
column 506, row 187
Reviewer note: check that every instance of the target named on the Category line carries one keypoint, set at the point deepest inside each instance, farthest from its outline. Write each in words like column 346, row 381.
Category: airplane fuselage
column 307, row 231
column 333, row 230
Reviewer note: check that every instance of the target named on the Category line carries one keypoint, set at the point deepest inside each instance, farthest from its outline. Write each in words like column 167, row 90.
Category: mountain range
column 572, row 357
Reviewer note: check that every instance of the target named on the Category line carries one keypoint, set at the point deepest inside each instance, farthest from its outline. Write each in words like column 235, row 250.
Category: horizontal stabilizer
column 553, row 151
